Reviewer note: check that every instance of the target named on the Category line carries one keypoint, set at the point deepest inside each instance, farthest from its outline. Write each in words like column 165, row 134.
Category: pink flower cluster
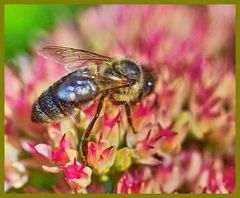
column 186, row 128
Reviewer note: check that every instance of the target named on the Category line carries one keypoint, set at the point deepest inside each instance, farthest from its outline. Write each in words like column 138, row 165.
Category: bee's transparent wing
column 72, row 58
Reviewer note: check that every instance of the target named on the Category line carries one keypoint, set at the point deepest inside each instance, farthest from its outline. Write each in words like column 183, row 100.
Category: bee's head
column 148, row 83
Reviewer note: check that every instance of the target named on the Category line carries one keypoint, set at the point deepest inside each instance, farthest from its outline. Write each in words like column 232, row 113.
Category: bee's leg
column 128, row 112
column 87, row 134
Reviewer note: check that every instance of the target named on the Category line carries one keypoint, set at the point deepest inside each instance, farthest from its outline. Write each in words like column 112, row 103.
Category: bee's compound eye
column 150, row 83
column 129, row 68
column 149, row 86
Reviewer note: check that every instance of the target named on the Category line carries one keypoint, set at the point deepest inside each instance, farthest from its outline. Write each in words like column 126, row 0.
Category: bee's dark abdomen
column 49, row 108
column 38, row 115
column 48, row 104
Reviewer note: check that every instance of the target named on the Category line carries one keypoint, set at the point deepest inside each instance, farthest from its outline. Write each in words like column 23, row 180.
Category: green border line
column 124, row 2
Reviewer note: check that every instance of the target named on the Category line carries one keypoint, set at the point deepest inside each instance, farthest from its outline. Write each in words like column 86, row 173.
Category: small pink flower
column 134, row 181
column 74, row 171
column 78, row 176
column 101, row 156
column 146, row 150
column 150, row 150
column 58, row 155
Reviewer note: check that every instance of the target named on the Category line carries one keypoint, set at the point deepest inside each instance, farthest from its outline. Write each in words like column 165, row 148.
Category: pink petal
column 63, row 143
column 53, row 169
column 106, row 152
column 44, row 149
column 93, row 149
column 110, row 123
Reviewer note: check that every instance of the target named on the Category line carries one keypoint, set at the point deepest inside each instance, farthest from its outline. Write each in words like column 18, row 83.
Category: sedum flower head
column 179, row 145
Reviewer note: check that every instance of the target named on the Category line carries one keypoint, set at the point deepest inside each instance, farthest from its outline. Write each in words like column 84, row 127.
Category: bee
column 93, row 77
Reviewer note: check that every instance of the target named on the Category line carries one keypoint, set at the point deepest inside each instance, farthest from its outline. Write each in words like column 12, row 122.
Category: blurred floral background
column 186, row 128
